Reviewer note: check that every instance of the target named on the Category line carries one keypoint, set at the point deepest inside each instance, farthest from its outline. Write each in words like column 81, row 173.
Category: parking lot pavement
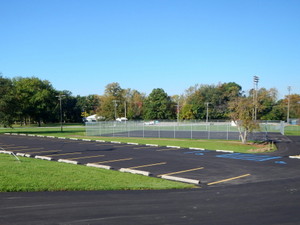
column 208, row 168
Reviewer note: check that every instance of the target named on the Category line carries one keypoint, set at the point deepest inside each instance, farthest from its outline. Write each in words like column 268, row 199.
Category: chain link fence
column 174, row 129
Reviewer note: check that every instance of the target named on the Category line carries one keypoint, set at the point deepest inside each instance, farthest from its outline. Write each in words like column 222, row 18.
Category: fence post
column 227, row 131
column 99, row 128
column 208, row 130
column 158, row 130
column 128, row 128
column 282, row 127
column 174, row 130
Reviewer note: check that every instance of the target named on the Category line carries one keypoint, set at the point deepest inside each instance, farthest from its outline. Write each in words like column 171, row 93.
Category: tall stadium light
column 288, row 106
column 60, row 107
column 255, row 82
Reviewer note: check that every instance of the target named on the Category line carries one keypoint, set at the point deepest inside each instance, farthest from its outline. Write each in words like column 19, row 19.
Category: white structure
column 122, row 119
column 93, row 118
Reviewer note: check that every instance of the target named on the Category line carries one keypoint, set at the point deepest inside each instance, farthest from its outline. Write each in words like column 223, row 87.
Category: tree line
column 28, row 100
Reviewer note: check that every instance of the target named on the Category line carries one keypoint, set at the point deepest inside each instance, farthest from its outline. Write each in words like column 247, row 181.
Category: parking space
column 208, row 167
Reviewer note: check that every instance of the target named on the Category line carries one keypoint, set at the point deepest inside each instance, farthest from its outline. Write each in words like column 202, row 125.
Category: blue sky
column 82, row 45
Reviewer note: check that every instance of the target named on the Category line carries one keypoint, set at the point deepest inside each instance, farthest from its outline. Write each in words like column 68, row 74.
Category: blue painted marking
column 190, row 152
column 251, row 157
column 195, row 152
column 199, row 154
column 280, row 162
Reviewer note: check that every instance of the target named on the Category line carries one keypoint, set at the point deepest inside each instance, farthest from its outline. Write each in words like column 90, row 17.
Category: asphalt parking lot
column 198, row 166
column 242, row 189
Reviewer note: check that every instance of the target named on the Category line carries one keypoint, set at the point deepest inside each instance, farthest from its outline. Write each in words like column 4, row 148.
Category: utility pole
column 60, row 107
column 177, row 111
column 125, row 108
column 255, row 82
column 288, row 106
column 207, row 103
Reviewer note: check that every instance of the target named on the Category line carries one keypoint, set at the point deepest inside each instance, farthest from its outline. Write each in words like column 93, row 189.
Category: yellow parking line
column 86, row 157
column 10, row 147
column 46, row 151
column 182, row 171
column 154, row 164
column 75, row 153
column 143, row 147
column 117, row 160
column 113, row 146
column 27, row 149
column 167, row 149
column 229, row 179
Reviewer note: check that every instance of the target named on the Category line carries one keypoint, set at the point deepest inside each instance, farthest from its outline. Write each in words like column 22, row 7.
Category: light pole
column 59, row 98
column 288, row 107
column 115, row 105
column 207, row 103
column 125, row 109
column 255, row 81
column 177, row 109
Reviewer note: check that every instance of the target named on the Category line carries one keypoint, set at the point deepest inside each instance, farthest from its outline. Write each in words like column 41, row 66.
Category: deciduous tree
column 158, row 105
column 241, row 110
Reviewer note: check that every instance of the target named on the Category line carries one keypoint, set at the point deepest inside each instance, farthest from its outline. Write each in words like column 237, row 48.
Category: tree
column 266, row 100
column 294, row 106
column 87, row 105
column 217, row 96
column 241, row 110
column 187, row 112
column 134, row 103
column 112, row 102
column 8, row 106
column 35, row 98
column 158, row 105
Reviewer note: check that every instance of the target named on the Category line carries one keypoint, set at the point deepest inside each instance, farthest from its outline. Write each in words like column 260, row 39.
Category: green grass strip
column 31, row 175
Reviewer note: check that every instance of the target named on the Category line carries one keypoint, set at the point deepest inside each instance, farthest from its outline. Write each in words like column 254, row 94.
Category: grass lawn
column 210, row 144
column 292, row 130
column 39, row 175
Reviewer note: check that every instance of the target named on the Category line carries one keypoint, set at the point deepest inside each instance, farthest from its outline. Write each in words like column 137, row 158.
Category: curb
column 43, row 157
column 152, row 145
column 294, row 157
column 201, row 149
column 181, row 179
column 227, row 151
column 99, row 166
column 170, row 146
column 68, row 161
column 6, row 152
column 140, row 172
